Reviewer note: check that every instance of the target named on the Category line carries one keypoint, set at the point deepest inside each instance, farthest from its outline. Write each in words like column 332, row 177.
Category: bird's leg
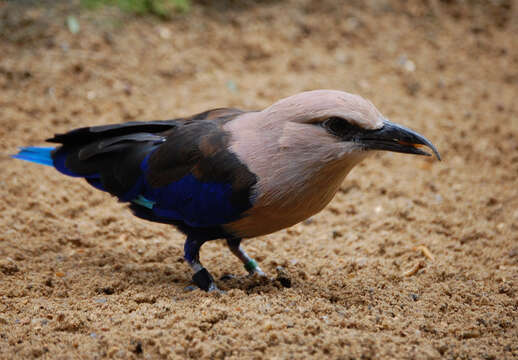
column 202, row 278
column 250, row 264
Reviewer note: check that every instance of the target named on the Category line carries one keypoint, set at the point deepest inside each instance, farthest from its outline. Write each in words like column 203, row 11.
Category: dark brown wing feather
column 187, row 159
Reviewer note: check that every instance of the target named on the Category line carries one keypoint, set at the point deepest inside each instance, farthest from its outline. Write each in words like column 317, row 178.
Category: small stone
column 138, row 348
column 409, row 66
column 165, row 33
column 406, row 63
column 73, row 24
column 283, row 277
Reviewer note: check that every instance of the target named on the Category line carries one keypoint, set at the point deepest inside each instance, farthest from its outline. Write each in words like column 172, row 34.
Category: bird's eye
column 340, row 127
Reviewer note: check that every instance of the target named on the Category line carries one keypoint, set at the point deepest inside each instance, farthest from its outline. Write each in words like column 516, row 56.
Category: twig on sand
column 418, row 266
column 426, row 253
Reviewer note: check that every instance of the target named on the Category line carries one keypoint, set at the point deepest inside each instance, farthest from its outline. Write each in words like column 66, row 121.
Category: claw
column 227, row 277
column 204, row 280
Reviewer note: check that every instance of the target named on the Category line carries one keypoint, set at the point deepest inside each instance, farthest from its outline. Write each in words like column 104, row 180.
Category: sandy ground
column 81, row 278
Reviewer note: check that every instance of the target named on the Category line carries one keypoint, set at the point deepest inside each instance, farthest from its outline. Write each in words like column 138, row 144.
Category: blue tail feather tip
column 39, row 155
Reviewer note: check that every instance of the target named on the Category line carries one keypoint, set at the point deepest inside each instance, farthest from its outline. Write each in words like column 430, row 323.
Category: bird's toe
column 204, row 280
column 211, row 289
column 259, row 273
column 227, row 277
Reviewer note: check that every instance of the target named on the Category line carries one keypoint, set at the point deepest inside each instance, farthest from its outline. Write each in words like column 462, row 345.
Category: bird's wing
column 177, row 170
column 94, row 133
column 193, row 176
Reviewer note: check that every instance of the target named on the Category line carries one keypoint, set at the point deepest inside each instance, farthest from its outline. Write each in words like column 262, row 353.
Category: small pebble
column 283, row 277
column 165, row 33
column 73, row 24
column 138, row 348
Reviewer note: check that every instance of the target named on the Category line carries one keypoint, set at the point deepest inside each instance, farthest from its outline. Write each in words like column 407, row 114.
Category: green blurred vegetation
column 160, row 8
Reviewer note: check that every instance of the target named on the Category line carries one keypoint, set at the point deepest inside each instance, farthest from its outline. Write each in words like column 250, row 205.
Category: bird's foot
column 204, row 280
column 215, row 289
column 253, row 269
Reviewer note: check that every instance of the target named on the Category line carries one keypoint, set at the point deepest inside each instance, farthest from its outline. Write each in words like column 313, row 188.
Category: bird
column 227, row 173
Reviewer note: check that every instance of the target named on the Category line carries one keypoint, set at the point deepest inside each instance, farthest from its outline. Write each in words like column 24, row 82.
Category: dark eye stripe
column 341, row 127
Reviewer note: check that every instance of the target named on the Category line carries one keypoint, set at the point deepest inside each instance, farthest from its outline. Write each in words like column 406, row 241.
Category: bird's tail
column 39, row 155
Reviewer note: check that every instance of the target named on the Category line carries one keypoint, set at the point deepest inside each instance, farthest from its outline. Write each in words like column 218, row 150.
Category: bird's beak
column 397, row 138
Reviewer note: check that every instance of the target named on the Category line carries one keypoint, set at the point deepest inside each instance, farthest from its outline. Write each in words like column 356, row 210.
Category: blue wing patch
column 142, row 201
column 196, row 203
column 189, row 200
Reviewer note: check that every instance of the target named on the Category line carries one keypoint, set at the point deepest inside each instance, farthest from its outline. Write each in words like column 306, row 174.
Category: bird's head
column 339, row 120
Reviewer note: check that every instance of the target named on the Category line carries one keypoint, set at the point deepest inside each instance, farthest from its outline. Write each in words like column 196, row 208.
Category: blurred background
column 80, row 277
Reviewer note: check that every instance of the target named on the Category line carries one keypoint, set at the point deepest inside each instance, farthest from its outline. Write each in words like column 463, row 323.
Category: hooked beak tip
column 397, row 138
column 428, row 145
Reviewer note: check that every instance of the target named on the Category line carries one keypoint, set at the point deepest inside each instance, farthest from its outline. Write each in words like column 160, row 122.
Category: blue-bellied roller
column 230, row 174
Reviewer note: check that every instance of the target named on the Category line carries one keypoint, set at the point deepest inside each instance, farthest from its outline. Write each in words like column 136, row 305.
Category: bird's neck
column 297, row 177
